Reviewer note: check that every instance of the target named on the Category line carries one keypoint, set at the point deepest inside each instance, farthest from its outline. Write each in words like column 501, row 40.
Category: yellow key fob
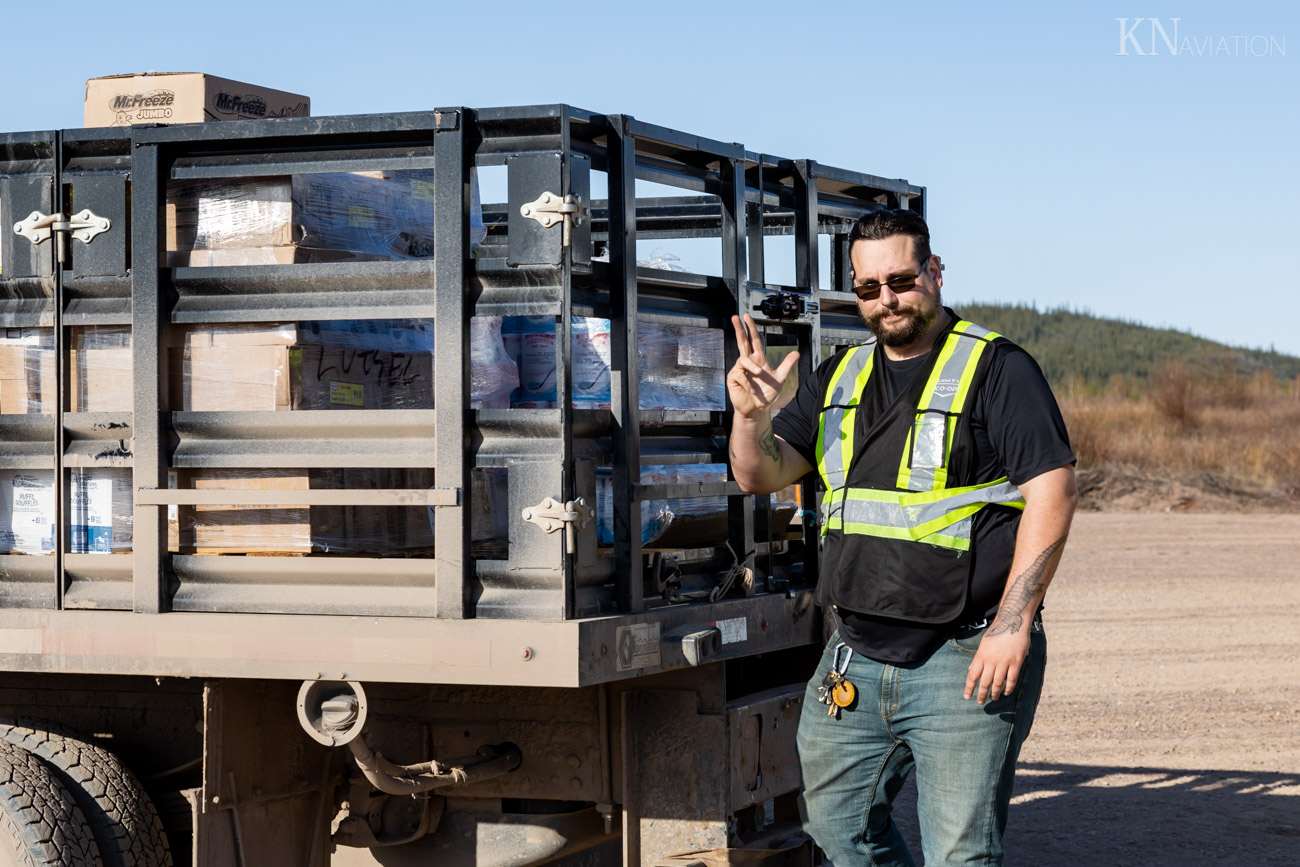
column 843, row 694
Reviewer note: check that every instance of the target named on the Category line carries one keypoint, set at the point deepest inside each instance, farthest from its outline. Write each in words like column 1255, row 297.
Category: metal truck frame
column 565, row 704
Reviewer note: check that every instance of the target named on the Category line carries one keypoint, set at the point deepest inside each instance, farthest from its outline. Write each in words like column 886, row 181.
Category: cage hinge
column 84, row 227
column 550, row 209
column 571, row 516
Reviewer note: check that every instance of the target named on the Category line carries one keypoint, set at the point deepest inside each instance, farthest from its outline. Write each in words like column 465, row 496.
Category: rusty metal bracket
column 549, row 209
column 551, row 516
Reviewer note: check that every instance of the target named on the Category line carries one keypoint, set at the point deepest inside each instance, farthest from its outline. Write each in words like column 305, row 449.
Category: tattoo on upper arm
column 1024, row 589
column 767, row 442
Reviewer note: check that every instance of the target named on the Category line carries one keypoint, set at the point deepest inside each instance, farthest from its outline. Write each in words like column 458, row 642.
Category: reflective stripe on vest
column 942, row 518
column 929, row 443
column 843, row 392
column 925, row 509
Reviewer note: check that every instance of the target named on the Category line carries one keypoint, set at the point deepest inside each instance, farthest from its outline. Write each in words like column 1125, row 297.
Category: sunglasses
column 870, row 290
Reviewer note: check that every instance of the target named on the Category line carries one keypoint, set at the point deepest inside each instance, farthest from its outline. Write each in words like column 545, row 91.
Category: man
column 949, row 494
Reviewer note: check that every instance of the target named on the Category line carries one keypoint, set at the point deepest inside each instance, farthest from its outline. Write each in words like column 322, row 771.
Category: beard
column 916, row 320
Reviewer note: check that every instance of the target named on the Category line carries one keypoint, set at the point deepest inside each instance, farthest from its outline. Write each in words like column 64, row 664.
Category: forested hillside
column 1070, row 345
column 1160, row 420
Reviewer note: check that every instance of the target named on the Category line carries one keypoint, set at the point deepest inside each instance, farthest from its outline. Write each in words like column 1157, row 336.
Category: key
column 827, row 684
column 841, row 692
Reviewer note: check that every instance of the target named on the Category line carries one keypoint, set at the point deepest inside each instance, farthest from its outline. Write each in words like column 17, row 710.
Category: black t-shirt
column 1017, row 431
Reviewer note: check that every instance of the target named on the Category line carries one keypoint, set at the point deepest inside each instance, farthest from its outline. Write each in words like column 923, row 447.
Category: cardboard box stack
column 101, row 511
column 100, row 358
column 184, row 97
column 336, row 365
column 328, row 217
column 27, row 376
column 232, row 529
column 362, row 364
column 99, row 365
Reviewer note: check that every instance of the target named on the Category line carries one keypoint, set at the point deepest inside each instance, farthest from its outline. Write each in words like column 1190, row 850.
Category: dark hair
column 879, row 225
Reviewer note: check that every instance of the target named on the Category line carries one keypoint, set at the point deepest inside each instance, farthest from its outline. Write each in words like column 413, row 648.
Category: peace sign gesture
column 753, row 385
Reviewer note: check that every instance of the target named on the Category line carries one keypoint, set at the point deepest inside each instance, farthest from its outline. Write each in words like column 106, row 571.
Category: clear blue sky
column 1162, row 189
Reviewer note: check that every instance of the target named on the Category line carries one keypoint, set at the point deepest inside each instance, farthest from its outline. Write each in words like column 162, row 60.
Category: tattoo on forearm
column 1024, row 589
column 767, row 442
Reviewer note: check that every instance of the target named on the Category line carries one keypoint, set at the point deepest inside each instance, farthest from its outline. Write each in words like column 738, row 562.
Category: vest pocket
column 929, row 441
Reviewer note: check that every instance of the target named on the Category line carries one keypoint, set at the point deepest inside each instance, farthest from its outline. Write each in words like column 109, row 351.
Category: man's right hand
column 752, row 383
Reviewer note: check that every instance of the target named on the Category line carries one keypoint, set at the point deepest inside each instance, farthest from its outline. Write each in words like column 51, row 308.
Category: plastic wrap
column 335, row 365
column 680, row 366
column 321, row 217
column 101, row 364
column 665, row 523
column 100, row 519
column 533, row 340
column 493, row 374
column 232, row 529
column 27, row 374
column 590, row 363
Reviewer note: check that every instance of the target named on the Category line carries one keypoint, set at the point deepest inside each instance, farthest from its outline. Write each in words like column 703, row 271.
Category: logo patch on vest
column 947, row 386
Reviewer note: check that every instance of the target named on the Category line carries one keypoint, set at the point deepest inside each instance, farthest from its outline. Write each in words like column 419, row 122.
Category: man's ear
column 938, row 268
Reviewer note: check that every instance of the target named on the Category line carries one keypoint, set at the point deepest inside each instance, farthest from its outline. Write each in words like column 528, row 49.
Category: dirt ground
column 1169, row 729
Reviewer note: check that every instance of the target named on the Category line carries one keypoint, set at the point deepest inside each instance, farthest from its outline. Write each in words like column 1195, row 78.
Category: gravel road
column 1169, row 730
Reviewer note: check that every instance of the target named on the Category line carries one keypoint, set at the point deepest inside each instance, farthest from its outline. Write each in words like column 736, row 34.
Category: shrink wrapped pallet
column 27, row 372
column 680, row 367
column 493, row 374
column 283, row 529
column 101, row 363
column 100, row 511
column 672, row 523
column 375, row 364
column 533, row 339
column 323, row 217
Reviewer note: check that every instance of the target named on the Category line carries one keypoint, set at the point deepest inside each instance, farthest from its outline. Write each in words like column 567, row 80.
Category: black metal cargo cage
column 157, row 473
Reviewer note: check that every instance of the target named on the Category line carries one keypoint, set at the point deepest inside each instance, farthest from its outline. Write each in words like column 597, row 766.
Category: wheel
column 40, row 823
column 121, row 816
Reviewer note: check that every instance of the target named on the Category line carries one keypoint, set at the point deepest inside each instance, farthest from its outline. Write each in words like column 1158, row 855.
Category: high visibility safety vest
column 903, row 549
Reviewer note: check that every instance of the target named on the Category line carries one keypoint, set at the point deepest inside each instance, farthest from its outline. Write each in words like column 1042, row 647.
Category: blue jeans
column 909, row 717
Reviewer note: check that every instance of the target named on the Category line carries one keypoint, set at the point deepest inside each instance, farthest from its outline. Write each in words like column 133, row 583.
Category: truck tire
column 121, row 816
column 40, row 823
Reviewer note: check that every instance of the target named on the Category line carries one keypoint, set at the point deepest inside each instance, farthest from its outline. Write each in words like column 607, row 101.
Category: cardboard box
column 280, row 378
column 100, row 359
column 27, row 379
column 235, row 256
column 253, row 368
column 101, row 512
column 184, row 97
column 303, row 529
column 326, row 217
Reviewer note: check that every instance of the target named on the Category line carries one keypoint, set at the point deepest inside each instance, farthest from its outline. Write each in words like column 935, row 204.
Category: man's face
column 900, row 318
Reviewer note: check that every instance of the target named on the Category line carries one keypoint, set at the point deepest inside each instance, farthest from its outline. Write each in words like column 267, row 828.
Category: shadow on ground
column 1084, row 815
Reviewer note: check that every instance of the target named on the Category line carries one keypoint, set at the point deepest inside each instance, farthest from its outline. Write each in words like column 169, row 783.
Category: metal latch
column 550, row 209
column 84, row 226
column 551, row 516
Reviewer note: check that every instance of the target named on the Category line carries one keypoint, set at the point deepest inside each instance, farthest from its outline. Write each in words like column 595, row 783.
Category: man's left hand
column 996, row 666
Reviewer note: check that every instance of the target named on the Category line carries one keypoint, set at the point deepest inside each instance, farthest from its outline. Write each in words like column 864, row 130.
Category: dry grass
column 1244, row 429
